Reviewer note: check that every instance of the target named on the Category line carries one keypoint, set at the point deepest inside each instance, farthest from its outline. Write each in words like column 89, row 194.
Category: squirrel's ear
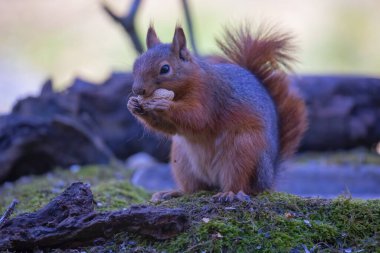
column 151, row 38
column 179, row 44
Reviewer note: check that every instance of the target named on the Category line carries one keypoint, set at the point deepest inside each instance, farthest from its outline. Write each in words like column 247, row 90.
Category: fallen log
column 344, row 111
column 70, row 220
column 85, row 124
column 343, row 114
column 31, row 145
column 102, row 110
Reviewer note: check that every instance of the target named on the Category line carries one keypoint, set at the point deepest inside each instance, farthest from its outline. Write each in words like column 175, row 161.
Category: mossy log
column 70, row 220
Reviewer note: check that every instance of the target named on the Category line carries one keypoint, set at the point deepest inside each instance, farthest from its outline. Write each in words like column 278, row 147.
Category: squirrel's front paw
column 134, row 106
column 157, row 105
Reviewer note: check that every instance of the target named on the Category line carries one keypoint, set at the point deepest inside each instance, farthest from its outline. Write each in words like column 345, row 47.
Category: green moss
column 31, row 195
column 110, row 186
column 272, row 222
column 276, row 222
column 356, row 219
column 114, row 195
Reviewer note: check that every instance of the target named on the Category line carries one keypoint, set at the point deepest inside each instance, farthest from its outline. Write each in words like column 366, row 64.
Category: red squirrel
column 233, row 118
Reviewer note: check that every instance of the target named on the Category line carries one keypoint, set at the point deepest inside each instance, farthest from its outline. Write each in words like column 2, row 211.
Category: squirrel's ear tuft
column 151, row 38
column 179, row 44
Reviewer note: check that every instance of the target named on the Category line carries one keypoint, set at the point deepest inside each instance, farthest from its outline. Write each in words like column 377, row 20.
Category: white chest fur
column 204, row 156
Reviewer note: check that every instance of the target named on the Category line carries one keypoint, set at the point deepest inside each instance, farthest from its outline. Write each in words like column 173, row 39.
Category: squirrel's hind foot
column 229, row 196
column 165, row 195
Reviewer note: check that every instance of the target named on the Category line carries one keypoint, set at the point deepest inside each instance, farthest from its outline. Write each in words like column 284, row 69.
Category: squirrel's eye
column 164, row 69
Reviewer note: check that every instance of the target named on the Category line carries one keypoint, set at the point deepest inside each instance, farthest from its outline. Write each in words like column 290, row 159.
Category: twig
column 128, row 23
column 8, row 212
column 189, row 25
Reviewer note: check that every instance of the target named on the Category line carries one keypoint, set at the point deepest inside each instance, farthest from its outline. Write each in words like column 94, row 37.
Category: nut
column 160, row 94
column 163, row 93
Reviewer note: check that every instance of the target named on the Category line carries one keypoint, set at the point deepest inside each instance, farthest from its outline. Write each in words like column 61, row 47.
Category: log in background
column 90, row 124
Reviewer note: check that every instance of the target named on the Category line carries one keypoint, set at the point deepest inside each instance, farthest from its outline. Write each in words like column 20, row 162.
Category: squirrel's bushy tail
column 267, row 54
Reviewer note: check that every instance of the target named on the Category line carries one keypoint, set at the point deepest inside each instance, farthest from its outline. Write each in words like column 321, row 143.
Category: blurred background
column 66, row 39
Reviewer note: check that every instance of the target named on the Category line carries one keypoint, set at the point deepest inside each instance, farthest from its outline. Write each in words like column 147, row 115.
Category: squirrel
column 233, row 118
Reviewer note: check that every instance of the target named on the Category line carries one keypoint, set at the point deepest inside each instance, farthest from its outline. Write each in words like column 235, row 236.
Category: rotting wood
column 70, row 220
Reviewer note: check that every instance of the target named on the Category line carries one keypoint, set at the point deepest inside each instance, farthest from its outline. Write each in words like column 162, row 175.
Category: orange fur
column 237, row 156
column 266, row 54
column 220, row 142
column 242, row 152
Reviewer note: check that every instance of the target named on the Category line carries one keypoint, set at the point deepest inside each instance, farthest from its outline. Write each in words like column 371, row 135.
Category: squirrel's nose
column 139, row 91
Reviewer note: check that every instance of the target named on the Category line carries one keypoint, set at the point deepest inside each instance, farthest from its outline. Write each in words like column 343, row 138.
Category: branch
column 8, row 212
column 70, row 220
column 128, row 23
column 189, row 25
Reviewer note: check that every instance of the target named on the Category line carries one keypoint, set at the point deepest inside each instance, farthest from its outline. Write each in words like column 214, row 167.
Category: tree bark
column 70, row 220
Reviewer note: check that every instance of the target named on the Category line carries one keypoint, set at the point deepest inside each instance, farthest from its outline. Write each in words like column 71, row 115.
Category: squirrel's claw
column 165, row 195
column 224, row 197
column 134, row 106
column 230, row 196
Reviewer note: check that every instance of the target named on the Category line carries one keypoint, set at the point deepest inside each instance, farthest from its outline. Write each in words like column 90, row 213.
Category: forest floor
column 271, row 222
